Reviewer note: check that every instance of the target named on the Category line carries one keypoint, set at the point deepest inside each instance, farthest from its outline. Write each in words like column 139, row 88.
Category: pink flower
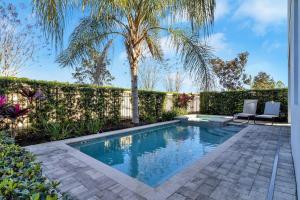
column 17, row 108
column 3, row 101
column 32, row 94
column 15, row 111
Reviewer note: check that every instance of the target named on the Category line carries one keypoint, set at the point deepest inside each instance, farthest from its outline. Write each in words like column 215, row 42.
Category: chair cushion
column 244, row 115
column 266, row 116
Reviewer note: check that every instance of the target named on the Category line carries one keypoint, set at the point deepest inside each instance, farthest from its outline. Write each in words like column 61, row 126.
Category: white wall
column 294, row 87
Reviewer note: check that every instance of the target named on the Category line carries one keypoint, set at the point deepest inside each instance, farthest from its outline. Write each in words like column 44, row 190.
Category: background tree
column 173, row 82
column 205, row 84
column 148, row 75
column 138, row 23
column 19, row 39
column 263, row 81
column 280, row 85
column 178, row 81
column 231, row 74
column 169, row 83
column 93, row 67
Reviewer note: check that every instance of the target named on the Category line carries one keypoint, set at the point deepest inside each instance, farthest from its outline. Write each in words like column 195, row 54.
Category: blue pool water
column 153, row 155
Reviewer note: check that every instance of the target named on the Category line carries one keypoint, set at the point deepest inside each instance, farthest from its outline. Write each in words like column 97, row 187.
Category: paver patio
column 242, row 171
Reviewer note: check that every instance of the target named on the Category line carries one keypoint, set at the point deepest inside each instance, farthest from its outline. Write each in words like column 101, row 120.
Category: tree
column 19, row 40
column 93, row 67
column 173, row 82
column 231, row 73
column 280, row 84
column 139, row 24
column 263, row 81
column 149, row 75
column 169, row 83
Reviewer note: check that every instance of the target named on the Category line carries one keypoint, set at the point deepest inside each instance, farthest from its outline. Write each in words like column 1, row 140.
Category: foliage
column 231, row 73
column 180, row 103
column 151, row 105
column 72, row 110
column 280, row 85
column 263, row 81
column 21, row 176
column 231, row 102
column 182, row 100
column 20, row 40
column 180, row 111
column 168, row 115
column 14, row 112
column 93, row 67
column 138, row 25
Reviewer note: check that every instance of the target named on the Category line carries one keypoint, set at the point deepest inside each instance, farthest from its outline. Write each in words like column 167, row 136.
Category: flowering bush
column 183, row 100
column 13, row 113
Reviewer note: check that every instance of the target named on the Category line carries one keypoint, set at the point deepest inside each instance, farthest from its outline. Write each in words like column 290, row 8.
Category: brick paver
column 244, row 170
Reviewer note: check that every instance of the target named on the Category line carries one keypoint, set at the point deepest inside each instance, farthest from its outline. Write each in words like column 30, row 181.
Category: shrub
column 229, row 103
column 21, row 176
column 182, row 100
column 12, row 114
column 180, row 111
column 168, row 115
column 71, row 110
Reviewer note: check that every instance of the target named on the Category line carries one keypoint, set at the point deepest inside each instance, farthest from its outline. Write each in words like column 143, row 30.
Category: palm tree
column 140, row 24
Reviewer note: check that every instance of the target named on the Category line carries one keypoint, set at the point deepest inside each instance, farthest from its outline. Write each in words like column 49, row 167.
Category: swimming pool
column 153, row 155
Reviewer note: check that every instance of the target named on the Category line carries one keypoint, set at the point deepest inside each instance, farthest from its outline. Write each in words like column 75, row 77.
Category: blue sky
column 256, row 26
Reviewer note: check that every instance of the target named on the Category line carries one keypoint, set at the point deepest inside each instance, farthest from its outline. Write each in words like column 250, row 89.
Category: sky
column 256, row 26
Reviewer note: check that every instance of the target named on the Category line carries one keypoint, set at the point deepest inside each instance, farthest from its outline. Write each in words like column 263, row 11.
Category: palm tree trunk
column 133, row 53
column 134, row 92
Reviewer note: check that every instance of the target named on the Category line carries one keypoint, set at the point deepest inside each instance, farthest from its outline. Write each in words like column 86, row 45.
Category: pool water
column 154, row 155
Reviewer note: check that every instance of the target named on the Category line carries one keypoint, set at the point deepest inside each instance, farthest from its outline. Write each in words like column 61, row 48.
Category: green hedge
column 151, row 105
column 229, row 103
column 71, row 110
column 21, row 176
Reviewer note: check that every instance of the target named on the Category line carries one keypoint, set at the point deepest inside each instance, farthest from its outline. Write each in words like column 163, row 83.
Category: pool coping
column 212, row 120
column 162, row 191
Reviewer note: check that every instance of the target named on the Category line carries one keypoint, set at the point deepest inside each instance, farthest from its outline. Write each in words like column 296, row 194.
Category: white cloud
column 218, row 42
column 222, row 9
column 264, row 13
column 270, row 46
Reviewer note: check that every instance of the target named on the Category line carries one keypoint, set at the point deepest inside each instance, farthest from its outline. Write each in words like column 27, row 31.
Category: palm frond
column 195, row 56
column 89, row 33
column 52, row 14
column 200, row 13
column 154, row 47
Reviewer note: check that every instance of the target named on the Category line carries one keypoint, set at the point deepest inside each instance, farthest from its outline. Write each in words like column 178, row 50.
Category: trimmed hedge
column 231, row 102
column 21, row 176
column 151, row 105
column 71, row 110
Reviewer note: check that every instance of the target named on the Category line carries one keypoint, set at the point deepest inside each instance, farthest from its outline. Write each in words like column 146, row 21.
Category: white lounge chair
column 272, row 111
column 249, row 109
